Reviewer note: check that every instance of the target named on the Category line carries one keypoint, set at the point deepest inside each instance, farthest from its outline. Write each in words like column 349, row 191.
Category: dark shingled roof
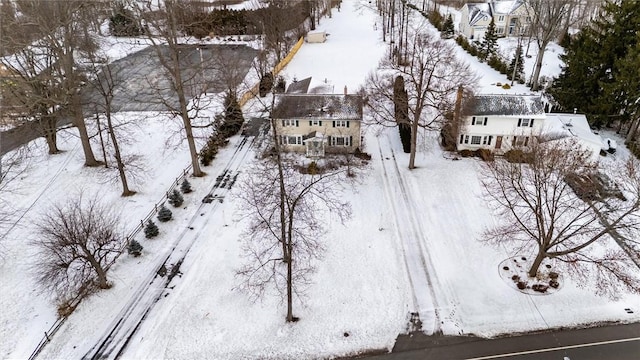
column 507, row 105
column 299, row 87
column 325, row 106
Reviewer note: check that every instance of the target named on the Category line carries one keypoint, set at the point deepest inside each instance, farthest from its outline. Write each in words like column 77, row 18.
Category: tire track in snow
column 412, row 238
column 117, row 336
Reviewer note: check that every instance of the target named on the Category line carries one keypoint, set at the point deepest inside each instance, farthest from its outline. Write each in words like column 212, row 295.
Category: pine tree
column 517, row 63
column 489, row 44
column 134, row 248
column 233, row 118
column 591, row 81
column 175, row 198
column 122, row 22
column 185, row 187
column 151, row 230
column 401, row 109
column 164, row 214
column 448, row 29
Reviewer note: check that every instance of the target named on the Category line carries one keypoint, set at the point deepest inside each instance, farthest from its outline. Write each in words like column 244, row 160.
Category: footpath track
column 117, row 335
column 424, row 310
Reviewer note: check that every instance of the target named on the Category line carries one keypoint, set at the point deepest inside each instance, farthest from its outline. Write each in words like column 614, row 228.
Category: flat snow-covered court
column 411, row 246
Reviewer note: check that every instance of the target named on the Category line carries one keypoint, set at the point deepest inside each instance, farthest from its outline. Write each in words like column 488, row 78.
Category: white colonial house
column 315, row 124
column 511, row 18
column 504, row 122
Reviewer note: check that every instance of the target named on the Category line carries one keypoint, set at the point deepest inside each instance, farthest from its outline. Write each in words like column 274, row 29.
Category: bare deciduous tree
column 432, row 78
column 546, row 25
column 77, row 242
column 542, row 213
column 104, row 81
column 285, row 209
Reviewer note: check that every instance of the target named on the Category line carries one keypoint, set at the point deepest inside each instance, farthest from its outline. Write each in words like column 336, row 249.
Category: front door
column 498, row 142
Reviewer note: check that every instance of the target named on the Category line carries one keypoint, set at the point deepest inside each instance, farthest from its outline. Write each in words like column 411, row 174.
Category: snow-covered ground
column 362, row 287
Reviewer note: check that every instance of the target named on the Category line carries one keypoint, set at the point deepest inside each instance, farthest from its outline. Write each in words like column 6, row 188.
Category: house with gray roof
column 511, row 18
column 504, row 122
column 315, row 124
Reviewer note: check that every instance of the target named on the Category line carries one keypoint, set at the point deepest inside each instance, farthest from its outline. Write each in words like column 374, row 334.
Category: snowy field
column 362, row 286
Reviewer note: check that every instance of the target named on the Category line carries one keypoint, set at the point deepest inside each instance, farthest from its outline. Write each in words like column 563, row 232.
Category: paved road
column 141, row 84
column 615, row 342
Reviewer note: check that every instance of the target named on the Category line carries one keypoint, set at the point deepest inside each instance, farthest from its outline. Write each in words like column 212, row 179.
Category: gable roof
column 299, row 87
column 505, row 7
column 478, row 11
column 507, row 105
column 325, row 106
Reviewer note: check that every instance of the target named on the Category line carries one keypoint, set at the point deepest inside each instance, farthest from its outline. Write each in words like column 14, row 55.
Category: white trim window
column 475, row 140
column 501, row 18
column 486, row 140
column 289, row 123
column 341, row 123
column 520, row 141
column 477, row 120
column 291, row 139
column 523, row 122
column 500, row 31
column 341, row 141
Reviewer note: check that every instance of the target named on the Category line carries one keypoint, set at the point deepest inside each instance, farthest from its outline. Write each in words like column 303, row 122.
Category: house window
column 525, row 122
column 500, row 30
column 291, row 140
column 340, row 123
column 476, row 120
column 501, row 18
column 341, row 141
column 528, row 18
column 520, row 140
column 487, row 140
column 315, row 123
column 289, row 122
column 466, row 139
column 475, row 140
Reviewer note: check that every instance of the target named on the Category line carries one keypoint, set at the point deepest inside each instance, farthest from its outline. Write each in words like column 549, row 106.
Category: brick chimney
column 345, row 89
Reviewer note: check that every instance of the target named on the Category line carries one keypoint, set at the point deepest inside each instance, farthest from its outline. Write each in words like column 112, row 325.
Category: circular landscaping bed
column 513, row 272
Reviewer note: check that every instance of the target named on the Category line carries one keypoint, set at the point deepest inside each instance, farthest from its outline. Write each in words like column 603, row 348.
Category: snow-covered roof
column 478, row 11
column 571, row 125
column 325, row 106
column 507, row 105
column 505, row 7
column 299, row 87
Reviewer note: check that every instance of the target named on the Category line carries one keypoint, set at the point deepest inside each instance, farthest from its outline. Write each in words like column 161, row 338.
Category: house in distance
column 317, row 124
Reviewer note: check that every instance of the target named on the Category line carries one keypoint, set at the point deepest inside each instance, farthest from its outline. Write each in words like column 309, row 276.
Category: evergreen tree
column 185, row 187
column 489, row 44
column 448, row 29
column 591, row 80
column 233, row 118
column 175, row 198
column 517, row 64
column 122, row 22
column 401, row 110
column 164, row 214
column 134, row 248
column 151, row 230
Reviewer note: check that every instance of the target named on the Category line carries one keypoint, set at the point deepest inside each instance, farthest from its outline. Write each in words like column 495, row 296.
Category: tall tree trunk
column 184, row 114
column 78, row 121
column 533, row 271
column 283, row 223
column 49, row 132
column 536, row 73
column 116, row 149
column 414, row 141
column 633, row 129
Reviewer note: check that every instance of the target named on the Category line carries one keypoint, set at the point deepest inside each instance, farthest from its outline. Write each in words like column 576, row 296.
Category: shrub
column 521, row 285
column 164, row 214
column 123, row 22
column 175, row 198
column 485, row 154
column 466, row 153
column 517, row 156
column 185, row 186
column 506, row 86
column 266, row 84
column 151, row 230
column 134, row 248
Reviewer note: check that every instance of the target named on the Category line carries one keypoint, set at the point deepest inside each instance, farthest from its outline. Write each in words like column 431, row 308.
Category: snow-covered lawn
column 362, row 296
